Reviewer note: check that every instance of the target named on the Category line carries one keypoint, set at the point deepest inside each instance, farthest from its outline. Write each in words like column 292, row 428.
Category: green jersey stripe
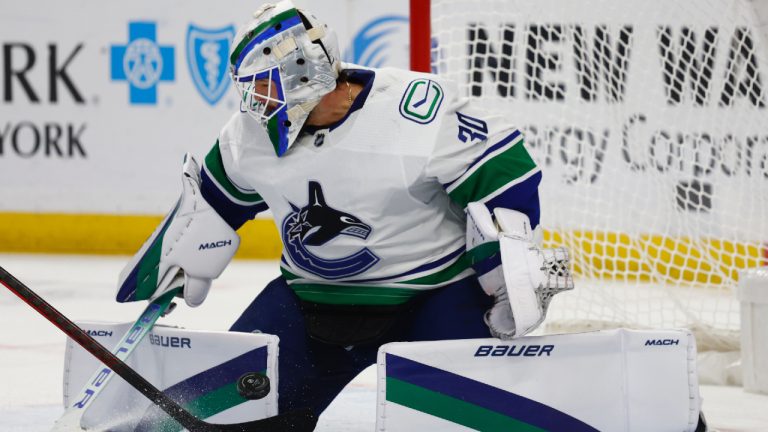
column 381, row 293
column 495, row 173
column 353, row 295
column 215, row 166
column 439, row 276
column 442, row 276
column 474, row 168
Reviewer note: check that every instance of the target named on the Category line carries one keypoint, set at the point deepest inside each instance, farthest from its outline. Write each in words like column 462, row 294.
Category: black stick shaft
column 167, row 404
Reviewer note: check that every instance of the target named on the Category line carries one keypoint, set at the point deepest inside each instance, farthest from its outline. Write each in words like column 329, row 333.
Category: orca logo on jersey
column 315, row 225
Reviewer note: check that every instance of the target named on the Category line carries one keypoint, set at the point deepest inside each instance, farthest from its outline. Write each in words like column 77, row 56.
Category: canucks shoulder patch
column 421, row 100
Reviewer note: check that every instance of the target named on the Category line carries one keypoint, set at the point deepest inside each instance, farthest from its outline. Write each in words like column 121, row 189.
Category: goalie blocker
column 614, row 380
column 192, row 240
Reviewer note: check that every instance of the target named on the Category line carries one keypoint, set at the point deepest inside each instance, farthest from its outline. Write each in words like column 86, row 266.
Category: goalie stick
column 74, row 413
column 298, row 420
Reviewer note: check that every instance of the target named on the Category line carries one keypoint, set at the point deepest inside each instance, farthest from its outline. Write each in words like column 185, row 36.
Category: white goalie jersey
column 371, row 210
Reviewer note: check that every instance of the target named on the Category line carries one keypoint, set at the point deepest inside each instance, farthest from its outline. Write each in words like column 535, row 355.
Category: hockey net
column 649, row 121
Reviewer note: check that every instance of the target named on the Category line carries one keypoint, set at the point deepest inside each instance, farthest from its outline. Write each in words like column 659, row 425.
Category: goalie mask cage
column 649, row 119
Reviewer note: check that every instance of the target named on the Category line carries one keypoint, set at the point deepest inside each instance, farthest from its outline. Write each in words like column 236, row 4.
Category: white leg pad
column 613, row 380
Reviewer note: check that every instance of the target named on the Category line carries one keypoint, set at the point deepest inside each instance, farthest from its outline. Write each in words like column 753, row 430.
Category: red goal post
column 420, row 35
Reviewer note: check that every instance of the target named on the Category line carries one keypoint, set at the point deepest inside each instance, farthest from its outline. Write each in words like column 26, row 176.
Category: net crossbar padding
column 649, row 121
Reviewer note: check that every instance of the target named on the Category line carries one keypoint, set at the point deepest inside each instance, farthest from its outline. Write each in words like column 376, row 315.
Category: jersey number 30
column 472, row 129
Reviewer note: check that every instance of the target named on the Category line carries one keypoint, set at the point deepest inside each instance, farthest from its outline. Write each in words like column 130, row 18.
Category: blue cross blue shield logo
column 142, row 62
column 207, row 51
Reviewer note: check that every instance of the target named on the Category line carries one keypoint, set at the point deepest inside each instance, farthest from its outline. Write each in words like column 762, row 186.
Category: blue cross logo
column 143, row 63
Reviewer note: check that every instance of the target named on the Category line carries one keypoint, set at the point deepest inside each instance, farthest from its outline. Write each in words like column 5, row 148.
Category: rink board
column 198, row 369
column 615, row 380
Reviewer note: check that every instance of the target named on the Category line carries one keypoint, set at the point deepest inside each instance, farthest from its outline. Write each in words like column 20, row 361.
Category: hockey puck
column 253, row 385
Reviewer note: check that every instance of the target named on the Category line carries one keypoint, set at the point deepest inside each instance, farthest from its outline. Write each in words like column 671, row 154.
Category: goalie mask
column 283, row 62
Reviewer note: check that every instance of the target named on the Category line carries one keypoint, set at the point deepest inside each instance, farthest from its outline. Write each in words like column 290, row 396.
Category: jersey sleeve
column 481, row 158
column 225, row 192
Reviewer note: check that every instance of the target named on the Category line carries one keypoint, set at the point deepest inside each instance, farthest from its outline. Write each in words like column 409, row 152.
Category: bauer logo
column 142, row 62
column 421, row 101
column 170, row 341
column 514, row 350
column 207, row 60
column 214, row 245
column 661, row 342
column 373, row 44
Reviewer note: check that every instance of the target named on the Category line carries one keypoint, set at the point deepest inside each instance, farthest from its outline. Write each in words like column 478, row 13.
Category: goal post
column 420, row 36
column 650, row 122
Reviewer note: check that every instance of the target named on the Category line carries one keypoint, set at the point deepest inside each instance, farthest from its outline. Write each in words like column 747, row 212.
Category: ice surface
column 83, row 288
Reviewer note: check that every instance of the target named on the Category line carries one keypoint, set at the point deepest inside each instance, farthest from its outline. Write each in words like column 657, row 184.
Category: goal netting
column 649, row 120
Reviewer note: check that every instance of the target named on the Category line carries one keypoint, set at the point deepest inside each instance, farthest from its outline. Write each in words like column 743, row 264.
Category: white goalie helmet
column 282, row 63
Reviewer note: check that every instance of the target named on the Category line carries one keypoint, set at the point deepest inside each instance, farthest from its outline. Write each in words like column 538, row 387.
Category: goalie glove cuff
column 483, row 233
column 483, row 248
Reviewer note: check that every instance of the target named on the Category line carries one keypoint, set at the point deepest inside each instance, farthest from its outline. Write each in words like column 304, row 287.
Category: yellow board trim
column 100, row 234
column 603, row 255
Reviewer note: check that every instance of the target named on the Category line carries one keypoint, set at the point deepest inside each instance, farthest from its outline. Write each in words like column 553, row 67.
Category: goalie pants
column 313, row 373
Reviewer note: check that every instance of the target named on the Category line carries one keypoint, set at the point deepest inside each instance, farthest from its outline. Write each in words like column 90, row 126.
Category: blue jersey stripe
column 426, row 267
column 509, row 138
column 234, row 214
column 523, row 197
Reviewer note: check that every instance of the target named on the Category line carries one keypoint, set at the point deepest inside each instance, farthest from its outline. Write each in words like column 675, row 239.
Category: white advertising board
column 99, row 101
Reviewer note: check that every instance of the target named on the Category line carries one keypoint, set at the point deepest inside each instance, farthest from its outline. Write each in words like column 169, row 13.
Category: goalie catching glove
column 520, row 276
column 192, row 240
